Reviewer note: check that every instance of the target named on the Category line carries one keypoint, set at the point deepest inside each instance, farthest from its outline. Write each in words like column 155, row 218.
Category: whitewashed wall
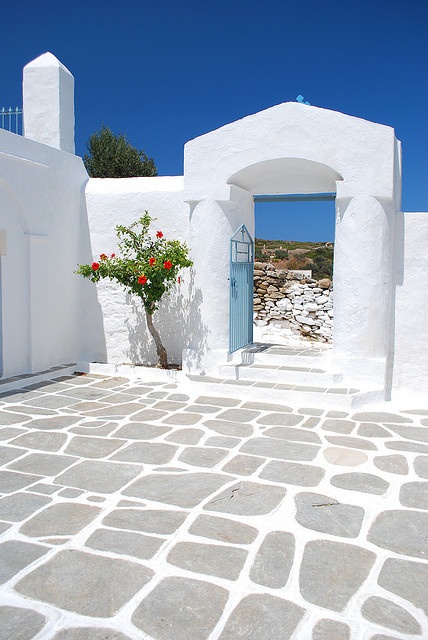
column 410, row 365
column 124, row 337
column 44, row 231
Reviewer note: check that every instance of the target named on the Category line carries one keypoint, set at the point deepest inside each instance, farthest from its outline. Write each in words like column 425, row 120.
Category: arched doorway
column 288, row 149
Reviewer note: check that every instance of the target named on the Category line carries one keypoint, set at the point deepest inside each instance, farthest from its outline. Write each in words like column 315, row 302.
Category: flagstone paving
column 152, row 510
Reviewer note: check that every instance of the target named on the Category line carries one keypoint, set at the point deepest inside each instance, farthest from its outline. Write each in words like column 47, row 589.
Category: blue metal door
column 241, row 289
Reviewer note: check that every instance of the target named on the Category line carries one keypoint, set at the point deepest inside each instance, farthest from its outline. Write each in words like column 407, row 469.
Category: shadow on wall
column 93, row 342
column 178, row 321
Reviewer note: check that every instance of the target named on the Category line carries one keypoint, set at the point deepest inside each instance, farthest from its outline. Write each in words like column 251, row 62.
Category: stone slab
column 17, row 623
column 20, row 506
column 295, row 435
column 421, row 466
column 240, row 430
column 44, row 440
column 11, row 481
column 364, row 482
column 202, row 456
column 281, row 419
column 343, row 567
column 89, row 633
column 177, row 605
column 282, row 449
column 262, row 616
column 139, row 431
column 64, row 518
column 401, row 531
column 98, row 476
column 327, row 515
column 407, row 579
column 125, row 543
column 87, row 447
column 183, row 490
column 326, row 629
column 274, row 559
column 43, row 463
column 146, row 452
column 105, row 584
column 243, row 465
column 414, row 495
column 392, row 464
column 7, row 454
column 15, row 555
column 389, row 614
column 185, row 436
column 160, row 521
column 344, row 457
column 247, row 498
column 380, row 416
column 304, row 475
column 223, row 529
column 212, row 559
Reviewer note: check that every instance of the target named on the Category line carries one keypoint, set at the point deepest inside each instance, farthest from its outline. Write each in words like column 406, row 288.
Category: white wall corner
column 48, row 103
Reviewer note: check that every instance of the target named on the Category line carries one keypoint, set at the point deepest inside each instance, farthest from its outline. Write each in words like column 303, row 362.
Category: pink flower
column 142, row 279
column 159, row 234
column 152, row 261
column 167, row 264
column 95, row 266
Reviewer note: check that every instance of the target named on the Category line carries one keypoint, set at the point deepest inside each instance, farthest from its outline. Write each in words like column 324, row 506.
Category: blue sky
column 164, row 72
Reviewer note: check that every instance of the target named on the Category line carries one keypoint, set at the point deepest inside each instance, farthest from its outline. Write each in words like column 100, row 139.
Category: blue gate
column 241, row 289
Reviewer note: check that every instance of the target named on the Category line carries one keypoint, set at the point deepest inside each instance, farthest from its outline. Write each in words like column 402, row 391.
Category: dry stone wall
column 303, row 305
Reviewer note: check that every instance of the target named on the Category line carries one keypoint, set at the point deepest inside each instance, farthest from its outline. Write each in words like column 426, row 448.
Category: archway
column 294, row 148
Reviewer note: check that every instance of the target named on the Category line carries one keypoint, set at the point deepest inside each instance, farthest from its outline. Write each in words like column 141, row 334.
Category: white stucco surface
column 411, row 305
column 124, row 337
column 53, row 217
column 48, row 99
column 42, row 217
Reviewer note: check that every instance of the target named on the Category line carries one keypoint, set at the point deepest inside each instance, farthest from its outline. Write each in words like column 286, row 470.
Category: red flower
column 95, row 266
column 179, row 279
column 167, row 264
column 152, row 261
column 113, row 255
column 142, row 279
column 103, row 256
column 159, row 234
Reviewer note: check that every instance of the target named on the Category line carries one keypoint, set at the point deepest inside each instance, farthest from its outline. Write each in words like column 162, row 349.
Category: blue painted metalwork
column 241, row 289
column 11, row 120
column 296, row 197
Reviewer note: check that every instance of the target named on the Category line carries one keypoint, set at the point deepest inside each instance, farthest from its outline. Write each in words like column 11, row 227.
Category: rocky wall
column 304, row 305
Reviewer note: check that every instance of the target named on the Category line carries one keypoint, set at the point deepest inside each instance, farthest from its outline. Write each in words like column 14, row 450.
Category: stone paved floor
column 135, row 510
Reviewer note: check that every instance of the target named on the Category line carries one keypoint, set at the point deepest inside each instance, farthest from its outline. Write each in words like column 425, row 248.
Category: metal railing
column 11, row 120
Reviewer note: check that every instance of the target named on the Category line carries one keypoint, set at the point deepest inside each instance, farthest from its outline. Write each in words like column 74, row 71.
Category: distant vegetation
column 288, row 254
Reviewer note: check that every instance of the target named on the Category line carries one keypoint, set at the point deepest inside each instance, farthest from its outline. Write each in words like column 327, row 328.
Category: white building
column 52, row 217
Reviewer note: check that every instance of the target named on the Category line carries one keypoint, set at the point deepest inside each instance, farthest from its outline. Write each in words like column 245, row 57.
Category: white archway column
column 362, row 285
column 212, row 223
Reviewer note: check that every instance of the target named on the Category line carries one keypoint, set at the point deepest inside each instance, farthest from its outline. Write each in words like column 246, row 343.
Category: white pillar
column 48, row 103
column 362, row 283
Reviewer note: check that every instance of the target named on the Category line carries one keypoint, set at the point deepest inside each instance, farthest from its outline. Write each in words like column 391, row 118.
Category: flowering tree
column 147, row 268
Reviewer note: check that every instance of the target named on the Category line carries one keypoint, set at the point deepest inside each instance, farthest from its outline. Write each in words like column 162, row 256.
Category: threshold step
column 294, row 394
column 286, row 374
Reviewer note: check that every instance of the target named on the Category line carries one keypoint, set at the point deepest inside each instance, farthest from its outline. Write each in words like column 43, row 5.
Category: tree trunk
column 160, row 349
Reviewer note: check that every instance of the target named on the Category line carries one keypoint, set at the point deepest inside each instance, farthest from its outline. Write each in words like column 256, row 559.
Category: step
column 295, row 395
column 261, row 353
column 287, row 374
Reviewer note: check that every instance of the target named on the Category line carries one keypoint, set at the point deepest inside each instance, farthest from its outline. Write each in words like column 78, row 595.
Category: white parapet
column 48, row 100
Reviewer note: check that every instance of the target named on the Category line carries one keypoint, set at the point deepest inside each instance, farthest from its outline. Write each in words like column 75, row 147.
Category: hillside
column 289, row 254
